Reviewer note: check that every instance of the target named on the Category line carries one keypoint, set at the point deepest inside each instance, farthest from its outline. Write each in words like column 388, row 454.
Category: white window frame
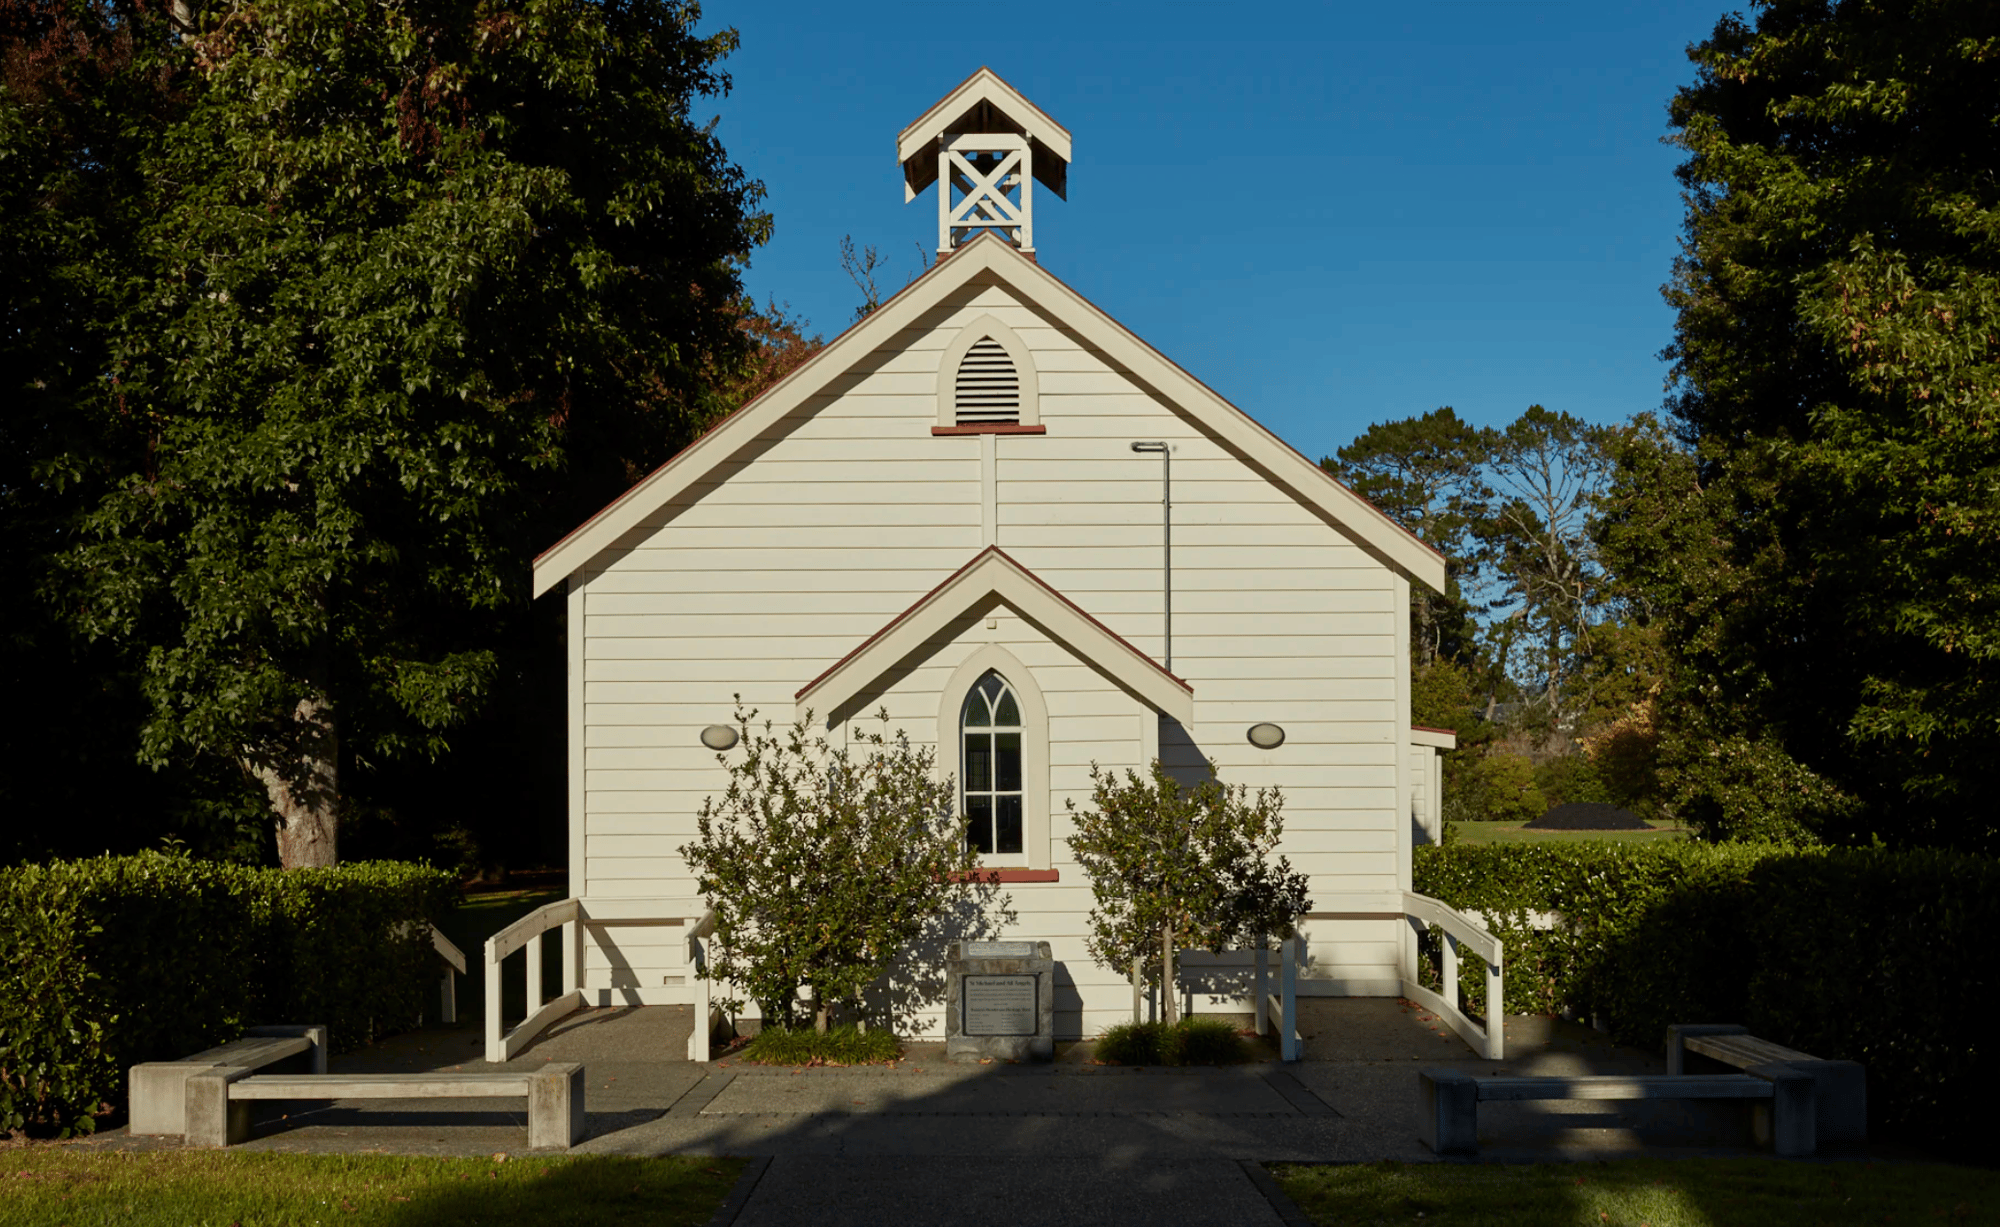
column 1035, row 847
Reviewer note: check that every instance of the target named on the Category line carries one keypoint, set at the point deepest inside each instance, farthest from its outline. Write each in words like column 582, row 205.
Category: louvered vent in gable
column 988, row 388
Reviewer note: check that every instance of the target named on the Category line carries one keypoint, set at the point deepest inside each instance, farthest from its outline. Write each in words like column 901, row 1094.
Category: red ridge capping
column 1001, row 876
column 991, row 428
column 946, row 583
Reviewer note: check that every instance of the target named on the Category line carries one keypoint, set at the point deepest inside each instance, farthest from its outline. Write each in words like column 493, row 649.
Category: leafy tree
column 1427, row 474
column 1835, row 356
column 777, row 345
column 1174, row 866
column 1548, row 470
column 1496, row 787
column 824, row 864
column 416, row 289
column 1703, row 732
column 86, row 89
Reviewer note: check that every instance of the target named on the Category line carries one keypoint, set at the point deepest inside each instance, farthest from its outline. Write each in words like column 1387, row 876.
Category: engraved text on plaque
column 999, row 1005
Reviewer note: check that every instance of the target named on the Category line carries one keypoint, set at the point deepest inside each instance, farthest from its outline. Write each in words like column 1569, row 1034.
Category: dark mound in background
column 1589, row 816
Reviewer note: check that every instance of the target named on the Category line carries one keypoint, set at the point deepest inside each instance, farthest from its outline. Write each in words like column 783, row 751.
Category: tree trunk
column 1170, row 1005
column 822, row 1015
column 302, row 780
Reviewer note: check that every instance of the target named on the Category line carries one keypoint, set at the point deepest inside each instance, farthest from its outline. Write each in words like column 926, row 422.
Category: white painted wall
column 794, row 553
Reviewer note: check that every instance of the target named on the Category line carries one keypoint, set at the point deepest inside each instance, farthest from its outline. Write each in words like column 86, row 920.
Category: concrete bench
column 219, row 1099
column 158, row 1089
column 1448, row 1101
column 1840, row 1088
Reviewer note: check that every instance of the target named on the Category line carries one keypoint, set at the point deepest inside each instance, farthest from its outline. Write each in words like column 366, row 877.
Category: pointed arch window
column 990, row 737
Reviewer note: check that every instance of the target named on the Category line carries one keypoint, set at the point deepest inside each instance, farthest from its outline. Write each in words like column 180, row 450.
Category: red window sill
column 1001, row 876
column 991, row 428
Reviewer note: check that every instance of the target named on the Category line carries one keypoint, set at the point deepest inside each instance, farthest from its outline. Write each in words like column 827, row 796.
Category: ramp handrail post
column 1449, row 968
column 533, row 953
column 496, row 1050
column 1496, row 1012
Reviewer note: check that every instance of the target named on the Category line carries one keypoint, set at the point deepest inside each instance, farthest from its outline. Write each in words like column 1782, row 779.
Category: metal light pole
column 1166, row 542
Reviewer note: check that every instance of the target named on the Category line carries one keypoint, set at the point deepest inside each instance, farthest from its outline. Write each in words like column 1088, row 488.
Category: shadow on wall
column 911, row 997
column 1181, row 757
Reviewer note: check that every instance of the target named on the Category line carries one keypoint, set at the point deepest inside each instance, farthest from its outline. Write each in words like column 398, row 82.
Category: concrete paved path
column 927, row 1141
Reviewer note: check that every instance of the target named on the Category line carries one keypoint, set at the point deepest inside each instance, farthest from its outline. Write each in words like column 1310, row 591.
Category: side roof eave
column 992, row 574
column 1361, row 520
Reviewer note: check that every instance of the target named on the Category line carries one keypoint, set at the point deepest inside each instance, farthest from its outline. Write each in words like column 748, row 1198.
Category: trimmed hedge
column 109, row 962
column 1866, row 955
column 1191, row 1041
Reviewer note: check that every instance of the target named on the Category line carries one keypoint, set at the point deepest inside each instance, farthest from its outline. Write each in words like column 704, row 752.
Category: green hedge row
column 110, row 962
column 1863, row 955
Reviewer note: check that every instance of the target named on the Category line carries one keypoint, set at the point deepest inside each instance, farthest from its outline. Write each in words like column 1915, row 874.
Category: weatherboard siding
column 835, row 521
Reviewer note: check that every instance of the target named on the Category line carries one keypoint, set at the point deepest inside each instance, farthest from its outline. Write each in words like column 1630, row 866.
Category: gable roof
column 992, row 574
column 983, row 103
column 1363, row 522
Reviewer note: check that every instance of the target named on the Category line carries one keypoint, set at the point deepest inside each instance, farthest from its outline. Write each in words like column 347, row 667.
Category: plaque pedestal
column 1000, row 1002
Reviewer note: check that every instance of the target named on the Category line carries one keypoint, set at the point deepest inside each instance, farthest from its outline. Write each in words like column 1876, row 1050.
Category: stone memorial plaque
column 1000, row 950
column 1000, row 1005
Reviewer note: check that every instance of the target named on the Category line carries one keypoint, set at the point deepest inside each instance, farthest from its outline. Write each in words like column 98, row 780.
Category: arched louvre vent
column 988, row 387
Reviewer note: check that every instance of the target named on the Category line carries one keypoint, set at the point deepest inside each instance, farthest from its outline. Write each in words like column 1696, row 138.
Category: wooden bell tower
column 985, row 146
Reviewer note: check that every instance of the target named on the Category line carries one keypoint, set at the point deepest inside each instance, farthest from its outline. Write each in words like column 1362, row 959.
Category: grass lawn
column 1513, row 832
column 1642, row 1193
column 48, row 1186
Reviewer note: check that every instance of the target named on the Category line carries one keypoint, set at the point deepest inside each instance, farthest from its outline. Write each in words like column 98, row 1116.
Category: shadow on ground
column 924, row 1132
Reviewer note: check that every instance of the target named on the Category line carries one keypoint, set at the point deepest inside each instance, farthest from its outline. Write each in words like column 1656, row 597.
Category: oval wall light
column 1266, row 736
column 718, row 737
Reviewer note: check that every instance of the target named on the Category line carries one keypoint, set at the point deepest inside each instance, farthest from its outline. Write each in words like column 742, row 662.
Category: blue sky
column 1333, row 214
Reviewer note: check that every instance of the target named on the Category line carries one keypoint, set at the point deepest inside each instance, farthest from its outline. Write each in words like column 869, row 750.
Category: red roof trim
column 1425, row 728
column 991, row 428
column 978, row 558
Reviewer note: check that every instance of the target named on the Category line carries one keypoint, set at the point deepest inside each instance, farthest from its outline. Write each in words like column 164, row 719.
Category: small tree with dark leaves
column 1173, row 866
column 824, row 863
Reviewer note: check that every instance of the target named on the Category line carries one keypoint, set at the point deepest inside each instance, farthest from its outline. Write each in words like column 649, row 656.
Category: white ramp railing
column 1461, row 933
column 454, row 960
column 531, row 932
column 1285, row 1002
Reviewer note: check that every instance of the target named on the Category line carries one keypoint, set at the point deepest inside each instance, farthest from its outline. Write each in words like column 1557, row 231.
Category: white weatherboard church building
column 1037, row 542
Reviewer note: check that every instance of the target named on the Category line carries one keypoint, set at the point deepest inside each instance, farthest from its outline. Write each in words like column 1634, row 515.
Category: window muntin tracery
column 990, row 732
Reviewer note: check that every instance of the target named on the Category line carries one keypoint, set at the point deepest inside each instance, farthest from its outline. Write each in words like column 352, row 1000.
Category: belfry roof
column 983, row 103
